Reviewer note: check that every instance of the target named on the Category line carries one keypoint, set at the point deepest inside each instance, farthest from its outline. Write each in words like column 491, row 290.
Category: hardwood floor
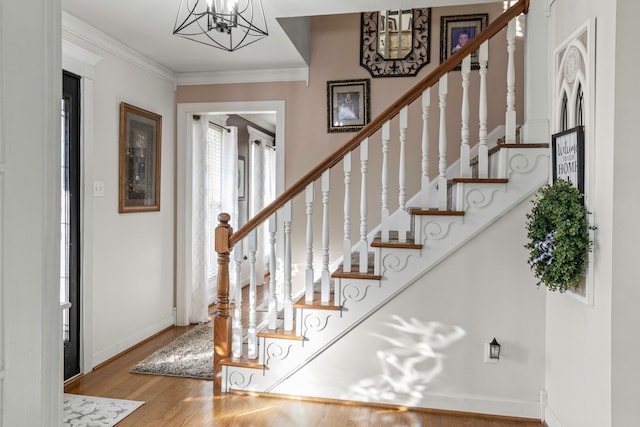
column 173, row 402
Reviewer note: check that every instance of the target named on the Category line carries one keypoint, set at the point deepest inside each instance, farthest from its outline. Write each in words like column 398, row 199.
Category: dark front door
column 70, row 223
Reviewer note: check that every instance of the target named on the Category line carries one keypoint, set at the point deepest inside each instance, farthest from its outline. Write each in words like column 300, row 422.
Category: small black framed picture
column 348, row 105
column 456, row 31
column 568, row 156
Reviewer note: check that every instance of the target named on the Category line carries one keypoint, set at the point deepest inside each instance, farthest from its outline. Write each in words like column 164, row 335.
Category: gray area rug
column 189, row 355
column 89, row 411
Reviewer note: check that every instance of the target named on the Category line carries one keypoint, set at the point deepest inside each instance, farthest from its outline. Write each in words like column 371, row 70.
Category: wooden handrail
column 372, row 127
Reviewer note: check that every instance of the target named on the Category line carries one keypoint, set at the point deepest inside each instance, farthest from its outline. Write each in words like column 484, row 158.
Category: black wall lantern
column 494, row 349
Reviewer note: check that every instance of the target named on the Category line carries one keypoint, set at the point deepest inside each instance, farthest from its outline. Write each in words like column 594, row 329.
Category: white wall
column 579, row 335
column 30, row 315
column 487, row 290
column 625, row 316
column 133, row 254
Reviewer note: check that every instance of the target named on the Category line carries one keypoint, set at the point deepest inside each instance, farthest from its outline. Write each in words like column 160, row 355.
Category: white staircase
column 452, row 206
column 475, row 205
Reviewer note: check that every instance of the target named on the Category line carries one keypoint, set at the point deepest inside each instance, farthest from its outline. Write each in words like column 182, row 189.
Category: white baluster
column 403, row 216
column 308, row 288
column 510, row 120
column 384, row 213
column 346, row 252
column 288, row 302
column 238, row 258
column 442, row 146
column 252, row 335
column 364, row 244
column 273, row 299
column 236, row 343
column 465, row 166
column 483, row 151
column 424, row 185
column 325, row 283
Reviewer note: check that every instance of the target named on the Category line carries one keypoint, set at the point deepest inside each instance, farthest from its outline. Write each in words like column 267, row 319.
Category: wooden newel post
column 222, row 320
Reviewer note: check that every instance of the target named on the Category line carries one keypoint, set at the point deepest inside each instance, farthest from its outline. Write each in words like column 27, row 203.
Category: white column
column 424, row 182
column 346, row 252
column 442, row 146
column 364, row 244
column 535, row 128
column 31, row 359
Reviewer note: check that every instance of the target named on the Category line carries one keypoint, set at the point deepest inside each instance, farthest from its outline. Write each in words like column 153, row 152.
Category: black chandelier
column 223, row 24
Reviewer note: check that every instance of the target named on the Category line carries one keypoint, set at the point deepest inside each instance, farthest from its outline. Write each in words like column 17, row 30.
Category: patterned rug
column 189, row 355
column 89, row 411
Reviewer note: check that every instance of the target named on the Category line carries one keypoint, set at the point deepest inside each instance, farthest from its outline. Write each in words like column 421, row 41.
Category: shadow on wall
column 414, row 359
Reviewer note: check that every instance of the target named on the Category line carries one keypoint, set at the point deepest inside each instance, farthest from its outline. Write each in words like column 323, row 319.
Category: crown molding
column 89, row 34
column 244, row 76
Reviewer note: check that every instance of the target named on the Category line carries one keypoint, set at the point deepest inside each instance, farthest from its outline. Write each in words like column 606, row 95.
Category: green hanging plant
column 558, row 233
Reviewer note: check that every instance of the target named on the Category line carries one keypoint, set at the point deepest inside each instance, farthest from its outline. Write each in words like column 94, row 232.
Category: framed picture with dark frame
column 456, row 31
column 242, row 184
column 395, row 43
column 348, row 105
column 567, row 154
column 139, row 169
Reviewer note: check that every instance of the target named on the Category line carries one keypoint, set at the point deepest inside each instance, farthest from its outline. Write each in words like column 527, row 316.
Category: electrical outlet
column 98, row 188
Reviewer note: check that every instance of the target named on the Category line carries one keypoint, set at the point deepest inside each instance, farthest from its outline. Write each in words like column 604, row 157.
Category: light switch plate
column 98, row 188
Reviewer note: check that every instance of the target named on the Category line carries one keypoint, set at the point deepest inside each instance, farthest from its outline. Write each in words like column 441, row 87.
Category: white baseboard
column 455, row 402
column 483, row 405
column 550, row 418
column 114, row 350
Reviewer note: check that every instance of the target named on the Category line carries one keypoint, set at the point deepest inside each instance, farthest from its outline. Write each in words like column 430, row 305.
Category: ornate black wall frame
column 410, row 65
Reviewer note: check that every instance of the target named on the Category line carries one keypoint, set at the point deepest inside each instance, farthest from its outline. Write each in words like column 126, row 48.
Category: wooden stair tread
column 355, row 269
column 243, row 362
column 355, row 274
column 394, row 242
column 316, row 303
column 478, row 181
column 279, row 332
column 497, row 148
column 434, row 211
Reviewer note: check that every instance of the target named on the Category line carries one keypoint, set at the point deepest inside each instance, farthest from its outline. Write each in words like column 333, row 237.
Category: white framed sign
column 568, row 156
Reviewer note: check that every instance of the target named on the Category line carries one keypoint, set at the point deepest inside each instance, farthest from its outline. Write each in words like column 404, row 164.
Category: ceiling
column 146, row 27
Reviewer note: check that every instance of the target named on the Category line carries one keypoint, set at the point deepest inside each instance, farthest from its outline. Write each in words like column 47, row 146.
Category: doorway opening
column 233, row 115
